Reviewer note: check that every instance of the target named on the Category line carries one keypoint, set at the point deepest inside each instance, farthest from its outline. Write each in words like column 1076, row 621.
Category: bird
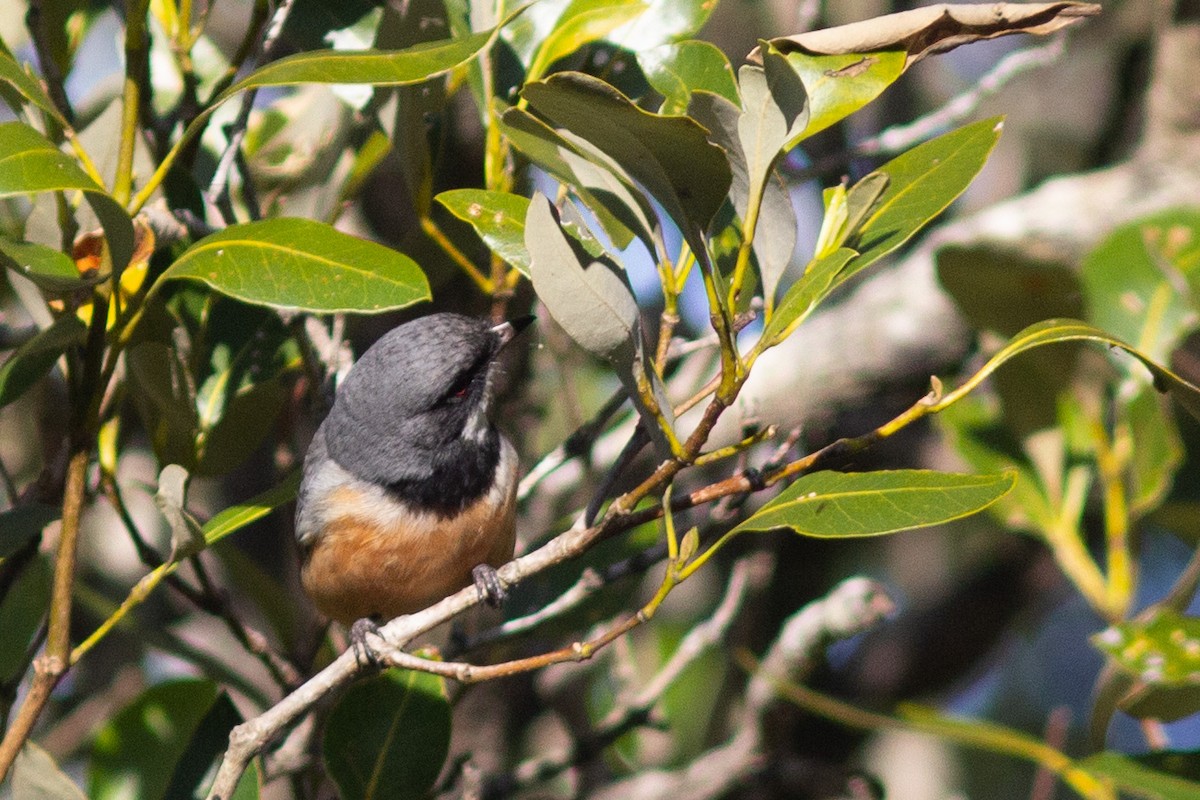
column 408, row 491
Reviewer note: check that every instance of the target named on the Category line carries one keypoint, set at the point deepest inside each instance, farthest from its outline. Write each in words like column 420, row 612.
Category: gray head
column 414, row 408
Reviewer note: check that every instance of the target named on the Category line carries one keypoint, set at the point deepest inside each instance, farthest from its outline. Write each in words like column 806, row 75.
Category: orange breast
column 363, row 567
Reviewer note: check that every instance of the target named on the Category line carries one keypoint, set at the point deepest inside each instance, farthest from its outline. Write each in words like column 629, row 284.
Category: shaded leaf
column 836, row 504
column 30, row 163
column 1136, row 281
column 302, row 264
column 498, row 218
column 166, row 400
column 921, row 184
column 1138, row 780
column 48, row 267
column 1164, row 649
column 207, row 743
column 388, row 736
column 805, row 295
column 621, row 212
column 590, row 298
column 582, row 22
column 935, row 29
column 22, row 612
column 677, row 70
column 775, row 231
column 670, row 157
column 775, row 113
column 35, row 776
column 136, row 752
column 20, row 524
column 33, row 359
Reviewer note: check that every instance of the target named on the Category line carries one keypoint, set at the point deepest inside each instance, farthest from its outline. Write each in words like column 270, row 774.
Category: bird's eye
column 461, row 393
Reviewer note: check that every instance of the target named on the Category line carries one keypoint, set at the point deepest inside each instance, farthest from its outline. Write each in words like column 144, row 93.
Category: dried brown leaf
column 934, row 29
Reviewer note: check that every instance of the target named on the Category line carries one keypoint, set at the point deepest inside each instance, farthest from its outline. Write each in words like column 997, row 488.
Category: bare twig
column 747, row 575
column 855, row 605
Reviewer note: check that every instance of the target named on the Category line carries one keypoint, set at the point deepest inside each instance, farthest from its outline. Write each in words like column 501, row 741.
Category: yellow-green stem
column 744, row 250
column 136, row 43
column 457, row 256
column 1120, row 577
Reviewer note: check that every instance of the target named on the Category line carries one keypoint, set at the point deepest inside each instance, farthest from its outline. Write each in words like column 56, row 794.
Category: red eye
column 461, row 393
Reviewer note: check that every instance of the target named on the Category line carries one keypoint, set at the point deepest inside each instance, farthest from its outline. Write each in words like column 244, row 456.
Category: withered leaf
column 934, row 29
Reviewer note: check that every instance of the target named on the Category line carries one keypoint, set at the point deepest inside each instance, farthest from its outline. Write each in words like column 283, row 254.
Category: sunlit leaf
column 48, row 267
column 302, row 264
column 677, row 70
column 836, row 504
column 1055, row 331
column 1164, row 649
column 839, row 85
column 663, row 21
column 921, row 184
column 28, row 86
column 498, row 218
column 1138, row 780
column 388, row 736
column 236, row 517
column 582, row 22
column 805, row 295
column 30, row 163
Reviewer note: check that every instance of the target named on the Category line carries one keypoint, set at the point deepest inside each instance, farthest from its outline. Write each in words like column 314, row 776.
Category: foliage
column 187, row 283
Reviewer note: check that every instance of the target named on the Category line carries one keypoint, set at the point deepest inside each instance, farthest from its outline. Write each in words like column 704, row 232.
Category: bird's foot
column 366, row 653
column 487, row 583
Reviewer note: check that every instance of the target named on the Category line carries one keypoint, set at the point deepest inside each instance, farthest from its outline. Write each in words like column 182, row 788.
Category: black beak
column 507, row 331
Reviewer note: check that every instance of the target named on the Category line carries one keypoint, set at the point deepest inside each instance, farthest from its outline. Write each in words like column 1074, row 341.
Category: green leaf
column 166, row 400
column 135, row 753
column 1138, row 780
column 22, row 612
column 30, row 163
column 1164, row 649
column 35, row 776
column 839, row 85
column 805, row 295
column 591, row 176
column 209, row 740
column 921, row 184
column 1157, row 451
column 48, row 267
column 414, row 64
column 582, row 22
column 1054, row 331
column 1135, row 281
column 302, row 264
column 388, row 736
column 775, row 232
column 498, row 218
column 33, row 359
column 670, row 157
column 29, row 87
column 836, row 504
column 20, row 524
column 664, row 21
column 677, row 70
column 239, row 516
column 589, row 297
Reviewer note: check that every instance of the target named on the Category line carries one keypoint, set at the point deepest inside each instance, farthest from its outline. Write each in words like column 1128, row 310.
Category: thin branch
column 748, row 574
column 35, row 23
